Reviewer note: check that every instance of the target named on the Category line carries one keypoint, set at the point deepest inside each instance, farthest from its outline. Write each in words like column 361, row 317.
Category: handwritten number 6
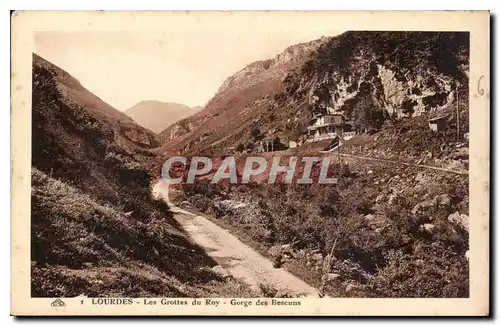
column 479, row 89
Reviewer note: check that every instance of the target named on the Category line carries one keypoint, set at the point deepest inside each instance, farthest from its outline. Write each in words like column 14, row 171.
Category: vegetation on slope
column 95, row 229
column 387, row 230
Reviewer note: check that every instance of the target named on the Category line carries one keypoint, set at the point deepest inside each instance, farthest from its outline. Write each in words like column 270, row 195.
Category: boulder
column 350, row 288
column 318, row 257
column 428, row 227
column 369, row 217
column 419, row 262
column 443, row 200
column 330, row 278
column 220, row 271
column 392, row 198
column 424, row 206
column 460, row 219
column 277, row 250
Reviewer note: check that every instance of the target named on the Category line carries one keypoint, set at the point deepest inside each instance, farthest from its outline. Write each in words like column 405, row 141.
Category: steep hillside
column 95, row 229
column 231, row 111
column 371, row 77
column 125, row 132
column 157, row 116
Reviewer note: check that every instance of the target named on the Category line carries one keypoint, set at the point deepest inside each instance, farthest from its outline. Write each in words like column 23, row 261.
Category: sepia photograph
column 228, row 162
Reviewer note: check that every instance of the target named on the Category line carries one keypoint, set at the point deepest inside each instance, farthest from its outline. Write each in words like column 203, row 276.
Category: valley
column 395, row 225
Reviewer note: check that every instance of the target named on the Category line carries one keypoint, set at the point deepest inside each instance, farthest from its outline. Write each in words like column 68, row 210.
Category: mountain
column 95, row 228
column 234, row 106
column 370, row 77
column 157, row 116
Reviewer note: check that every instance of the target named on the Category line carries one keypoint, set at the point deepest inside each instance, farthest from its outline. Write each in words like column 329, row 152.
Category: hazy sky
column 185, row 63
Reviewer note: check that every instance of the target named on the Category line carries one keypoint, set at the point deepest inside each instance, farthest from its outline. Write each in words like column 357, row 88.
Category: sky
column 182, row 62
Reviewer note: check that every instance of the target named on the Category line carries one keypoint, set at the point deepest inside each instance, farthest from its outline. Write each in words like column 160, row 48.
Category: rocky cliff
column 394, row 74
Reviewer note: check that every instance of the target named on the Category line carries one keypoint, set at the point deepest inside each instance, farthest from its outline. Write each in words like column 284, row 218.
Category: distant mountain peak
column 157, row 115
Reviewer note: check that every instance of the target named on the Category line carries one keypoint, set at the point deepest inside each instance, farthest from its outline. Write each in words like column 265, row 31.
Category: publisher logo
column 58, row 303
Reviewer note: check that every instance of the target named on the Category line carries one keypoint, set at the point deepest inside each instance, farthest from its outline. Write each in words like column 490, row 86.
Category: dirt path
column 241, row 261
column 399, row 162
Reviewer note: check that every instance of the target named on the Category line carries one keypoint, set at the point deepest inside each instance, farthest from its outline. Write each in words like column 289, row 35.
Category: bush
column 240, row 148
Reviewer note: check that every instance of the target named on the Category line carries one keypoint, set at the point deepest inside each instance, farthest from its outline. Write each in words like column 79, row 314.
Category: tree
column 366, row 115
column 44, row 87
column 255, row 132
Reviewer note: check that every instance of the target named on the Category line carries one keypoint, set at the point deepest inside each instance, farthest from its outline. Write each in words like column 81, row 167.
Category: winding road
column 385, row 160
column 241, row 261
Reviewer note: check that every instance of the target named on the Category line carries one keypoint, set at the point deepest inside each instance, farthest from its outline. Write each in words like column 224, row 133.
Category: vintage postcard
column 250, row 163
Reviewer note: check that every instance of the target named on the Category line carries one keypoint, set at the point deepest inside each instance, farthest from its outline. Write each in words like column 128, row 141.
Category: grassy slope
column 83, row 246
column 369, row 218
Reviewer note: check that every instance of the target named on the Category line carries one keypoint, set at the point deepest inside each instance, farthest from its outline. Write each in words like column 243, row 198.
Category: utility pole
column 458, row 116
column 340, row 137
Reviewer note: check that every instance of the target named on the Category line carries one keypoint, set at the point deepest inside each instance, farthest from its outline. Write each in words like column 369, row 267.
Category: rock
column 392, row 198
column 185, row 204
column 330, row 278
column 460, row 219
column 428, row 227
column 369, row 217
column 443, row 200
column 419, row 262
column 370, row 172
column 317, row 257
column 219, row 270
column 423, row 206
column 350, row 288
column 282, row 294
column 274, row 251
